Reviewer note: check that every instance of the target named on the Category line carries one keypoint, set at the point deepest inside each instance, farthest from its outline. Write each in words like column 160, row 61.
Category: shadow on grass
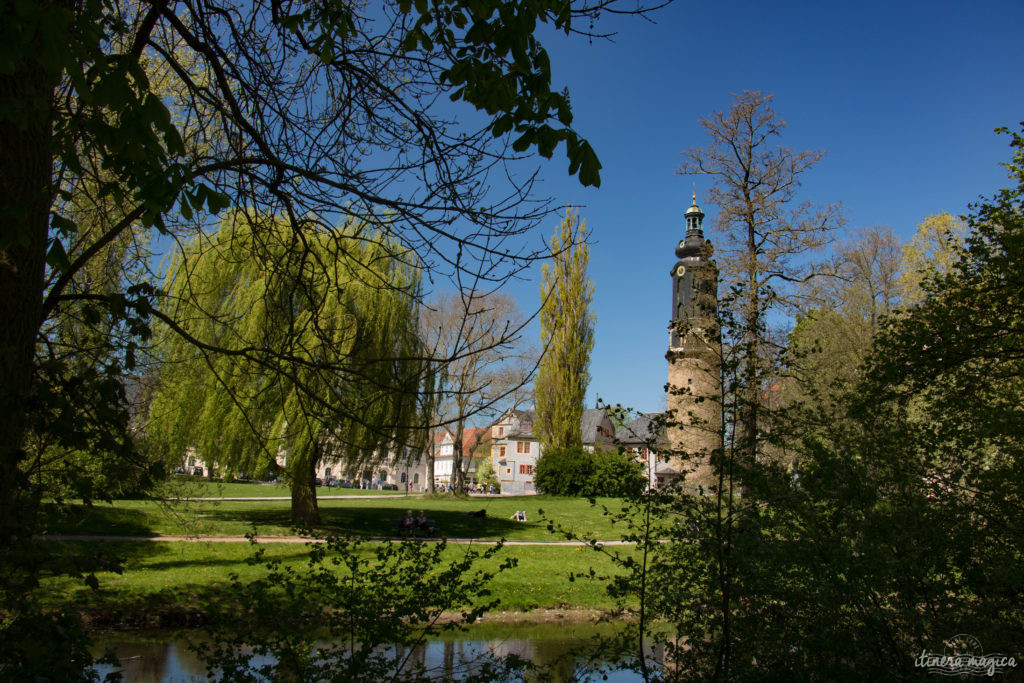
column 375, row 521
column 100, row 518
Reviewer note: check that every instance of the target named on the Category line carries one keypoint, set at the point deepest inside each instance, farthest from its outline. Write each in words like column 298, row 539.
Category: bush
column 355, row 611
column 564, row 472
column 579, row 473
column 618, row 475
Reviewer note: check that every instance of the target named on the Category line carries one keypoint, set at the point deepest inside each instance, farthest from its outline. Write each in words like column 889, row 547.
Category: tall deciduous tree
column 475, row 339
column 936, row 244
column 567, row 335
column 841, row 312
column 297, row 351
column 766, row 238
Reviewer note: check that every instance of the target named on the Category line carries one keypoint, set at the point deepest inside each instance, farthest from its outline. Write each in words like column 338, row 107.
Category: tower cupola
column 692, row 246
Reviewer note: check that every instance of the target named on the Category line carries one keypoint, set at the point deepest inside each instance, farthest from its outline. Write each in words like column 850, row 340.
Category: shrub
column 618, row 475
column 564, row 472
column 579, row 473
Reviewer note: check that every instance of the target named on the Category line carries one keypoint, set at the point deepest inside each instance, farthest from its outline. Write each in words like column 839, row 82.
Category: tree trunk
column 26, row 166
column 430, row 468
column 304, row 506
column 456, row 476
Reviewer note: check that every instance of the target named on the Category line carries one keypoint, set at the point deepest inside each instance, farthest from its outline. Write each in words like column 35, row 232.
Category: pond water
column 559, row 648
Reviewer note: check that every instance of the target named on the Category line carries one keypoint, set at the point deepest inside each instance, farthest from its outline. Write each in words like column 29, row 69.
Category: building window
column 416, row 477
column 508, row 470
column 327, row 471
column 523, row 447
column 501, row 451
column 403, row 477
column 526, row 469
column 499, row 431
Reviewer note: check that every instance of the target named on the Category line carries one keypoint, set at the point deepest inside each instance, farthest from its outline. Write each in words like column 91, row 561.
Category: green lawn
column 367, row 517
column 183, row 579
column 193, row 487
column 161, row 577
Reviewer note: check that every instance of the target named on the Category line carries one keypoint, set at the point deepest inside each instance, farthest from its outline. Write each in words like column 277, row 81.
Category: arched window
column 416, row 478
column 403, row 477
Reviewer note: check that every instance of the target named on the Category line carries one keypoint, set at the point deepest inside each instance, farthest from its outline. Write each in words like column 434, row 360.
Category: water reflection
column 167, row 657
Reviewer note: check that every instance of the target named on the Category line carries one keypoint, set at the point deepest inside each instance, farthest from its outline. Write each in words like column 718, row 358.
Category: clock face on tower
column 681, row 271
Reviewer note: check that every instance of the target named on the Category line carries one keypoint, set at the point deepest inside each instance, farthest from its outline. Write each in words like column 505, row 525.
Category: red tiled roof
column 472, row 437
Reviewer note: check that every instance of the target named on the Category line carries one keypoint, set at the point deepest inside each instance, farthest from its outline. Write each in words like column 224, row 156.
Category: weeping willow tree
column 287, row 347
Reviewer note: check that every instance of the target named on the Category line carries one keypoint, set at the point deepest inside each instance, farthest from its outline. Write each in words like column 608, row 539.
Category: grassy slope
column 369, row 517
column 181, row 578
column 164, row 577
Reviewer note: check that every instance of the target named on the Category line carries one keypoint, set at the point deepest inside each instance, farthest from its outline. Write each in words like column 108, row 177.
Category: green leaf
column 64, row 226
column 57, row 258
column 523, row 142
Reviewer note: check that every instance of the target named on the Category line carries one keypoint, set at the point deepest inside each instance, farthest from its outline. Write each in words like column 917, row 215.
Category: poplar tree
column 567, row 335
column 289, row 350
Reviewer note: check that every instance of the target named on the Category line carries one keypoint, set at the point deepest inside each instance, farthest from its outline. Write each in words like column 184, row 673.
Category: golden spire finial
column 695, row 192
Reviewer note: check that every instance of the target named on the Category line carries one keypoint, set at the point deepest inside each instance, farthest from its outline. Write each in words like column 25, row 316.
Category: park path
column 390, row 496
column 288, row 498
column 296, row 539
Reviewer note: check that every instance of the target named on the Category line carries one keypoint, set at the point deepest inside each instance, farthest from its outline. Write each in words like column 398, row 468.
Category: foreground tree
column 292, row 109
column 900, row 524
column 567, row 335
column 704, row 552
column 358, row 611
column 294, row 352
column 305, row 110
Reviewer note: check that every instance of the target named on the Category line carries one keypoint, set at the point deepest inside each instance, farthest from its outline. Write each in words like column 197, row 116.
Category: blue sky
column 902, row 95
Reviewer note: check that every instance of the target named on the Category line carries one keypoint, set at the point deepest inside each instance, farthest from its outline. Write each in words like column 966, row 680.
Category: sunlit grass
column 192, row 487
column 161, row 577
column 367, row 517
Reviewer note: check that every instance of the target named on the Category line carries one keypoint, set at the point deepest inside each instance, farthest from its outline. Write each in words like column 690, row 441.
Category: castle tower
column 694, row 354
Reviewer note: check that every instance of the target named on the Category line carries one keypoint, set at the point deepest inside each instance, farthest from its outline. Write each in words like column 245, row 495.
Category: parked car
column 331, row 481
column 389, row 487
column 319, row 481
column 346, row 484
column 197, row 471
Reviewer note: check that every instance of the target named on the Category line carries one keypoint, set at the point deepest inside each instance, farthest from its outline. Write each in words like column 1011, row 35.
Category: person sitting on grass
column 424, row 524
column 519, row 515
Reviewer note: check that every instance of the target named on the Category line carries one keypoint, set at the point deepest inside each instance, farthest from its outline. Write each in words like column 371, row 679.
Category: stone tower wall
column 695, row 396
